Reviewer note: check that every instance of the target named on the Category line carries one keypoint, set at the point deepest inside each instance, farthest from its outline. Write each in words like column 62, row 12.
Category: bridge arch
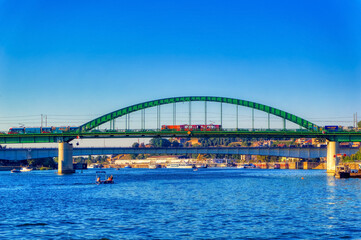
column 138, row 107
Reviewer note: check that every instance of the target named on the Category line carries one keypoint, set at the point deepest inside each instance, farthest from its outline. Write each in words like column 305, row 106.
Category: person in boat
column 110, row 179
column 98, row 180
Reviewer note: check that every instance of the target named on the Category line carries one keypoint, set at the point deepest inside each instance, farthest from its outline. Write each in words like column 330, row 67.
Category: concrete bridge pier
column 65, row 158
column 332, row 151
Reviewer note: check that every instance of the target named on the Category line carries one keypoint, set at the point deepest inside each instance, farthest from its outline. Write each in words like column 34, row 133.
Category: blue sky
column 75, row 60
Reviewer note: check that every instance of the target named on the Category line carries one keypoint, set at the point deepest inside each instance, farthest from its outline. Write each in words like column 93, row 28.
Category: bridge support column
column 332, row 150
column 65, row 158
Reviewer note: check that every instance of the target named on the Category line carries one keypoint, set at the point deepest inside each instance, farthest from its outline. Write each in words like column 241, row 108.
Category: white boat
column 26, row 169
column 15, row 171
column 180, row 165
column 201, row 166
column 97, row 166
column 154, row 166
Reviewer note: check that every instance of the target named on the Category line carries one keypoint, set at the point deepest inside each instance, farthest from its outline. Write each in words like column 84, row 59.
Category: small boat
column 15, row 171
column 26, row 169
column 180, row 165
column 355, row 173
column 342, row 172
column 248, row 166
column 100, row 174
column 201, row 165
column 127, row 166
column 154, row 166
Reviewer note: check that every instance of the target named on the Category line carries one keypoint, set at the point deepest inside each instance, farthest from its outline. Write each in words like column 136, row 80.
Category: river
column 180, row 204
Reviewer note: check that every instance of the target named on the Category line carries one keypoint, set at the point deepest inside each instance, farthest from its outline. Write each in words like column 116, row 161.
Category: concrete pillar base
column 332, row 160
column 65, row 158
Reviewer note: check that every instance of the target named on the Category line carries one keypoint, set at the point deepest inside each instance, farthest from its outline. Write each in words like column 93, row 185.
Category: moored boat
column 15, row 171
column 180, row 165
column 154, row 166
column 201, row 165
column 342, row 171
column 355, row 173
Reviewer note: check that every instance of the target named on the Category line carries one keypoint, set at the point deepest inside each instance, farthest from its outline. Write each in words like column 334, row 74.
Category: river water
column 180, row 204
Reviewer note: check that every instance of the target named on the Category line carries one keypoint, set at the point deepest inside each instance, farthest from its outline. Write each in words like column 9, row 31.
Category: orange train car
column 186, row 127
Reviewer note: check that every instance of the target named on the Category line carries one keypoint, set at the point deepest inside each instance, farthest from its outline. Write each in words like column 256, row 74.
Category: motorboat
column 15, row 171
column 103, row 175
column 127, row 166
column 26, row 169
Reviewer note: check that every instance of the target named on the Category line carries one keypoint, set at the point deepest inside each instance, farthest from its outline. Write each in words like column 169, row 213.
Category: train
column 34, row 130
column 186, row 127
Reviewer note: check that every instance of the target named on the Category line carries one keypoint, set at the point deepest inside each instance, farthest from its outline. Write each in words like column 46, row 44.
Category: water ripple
column 180, row 204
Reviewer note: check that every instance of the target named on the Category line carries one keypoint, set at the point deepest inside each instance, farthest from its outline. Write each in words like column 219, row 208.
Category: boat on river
column 103, row 175
column 180, row 165
column 26, row 169
column 154, row 166
column 342, row 172
column 250, row 165
column 201, row 166
column 15, row 171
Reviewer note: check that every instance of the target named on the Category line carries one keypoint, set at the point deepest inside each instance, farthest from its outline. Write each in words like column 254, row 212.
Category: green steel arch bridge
column 88, row 129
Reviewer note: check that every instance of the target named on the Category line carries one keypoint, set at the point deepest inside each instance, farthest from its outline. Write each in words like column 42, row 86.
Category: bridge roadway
column 269, row 134
column 309, row 152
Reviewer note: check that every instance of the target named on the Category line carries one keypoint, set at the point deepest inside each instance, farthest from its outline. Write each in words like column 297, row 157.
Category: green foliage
column 216, row 142
column 45, row 162
column 79, row 159
column 100, row 159
column 359, row 124
column 175, row 144
column 353, row 157
column 159, row 142
column 45, row 168
column 135, row 145
column 140, row 156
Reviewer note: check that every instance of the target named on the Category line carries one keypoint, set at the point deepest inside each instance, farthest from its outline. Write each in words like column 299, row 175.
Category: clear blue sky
column 80, row 59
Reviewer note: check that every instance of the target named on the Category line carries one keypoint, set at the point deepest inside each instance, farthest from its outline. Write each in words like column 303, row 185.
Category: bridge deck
column 310, row 152
column 60, row 137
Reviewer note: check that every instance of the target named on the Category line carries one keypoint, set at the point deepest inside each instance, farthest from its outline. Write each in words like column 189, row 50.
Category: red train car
column 185, row 127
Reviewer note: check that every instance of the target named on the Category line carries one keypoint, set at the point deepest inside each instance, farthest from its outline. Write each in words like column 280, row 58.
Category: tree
column 175, row 144
column 359, row 124
column 135, row 145
column 159, row 142
column 46, row 162
column 141, row 156
column 353, row 157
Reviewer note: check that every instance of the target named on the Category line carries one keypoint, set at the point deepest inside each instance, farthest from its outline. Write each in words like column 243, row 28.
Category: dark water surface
column 180, row 204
